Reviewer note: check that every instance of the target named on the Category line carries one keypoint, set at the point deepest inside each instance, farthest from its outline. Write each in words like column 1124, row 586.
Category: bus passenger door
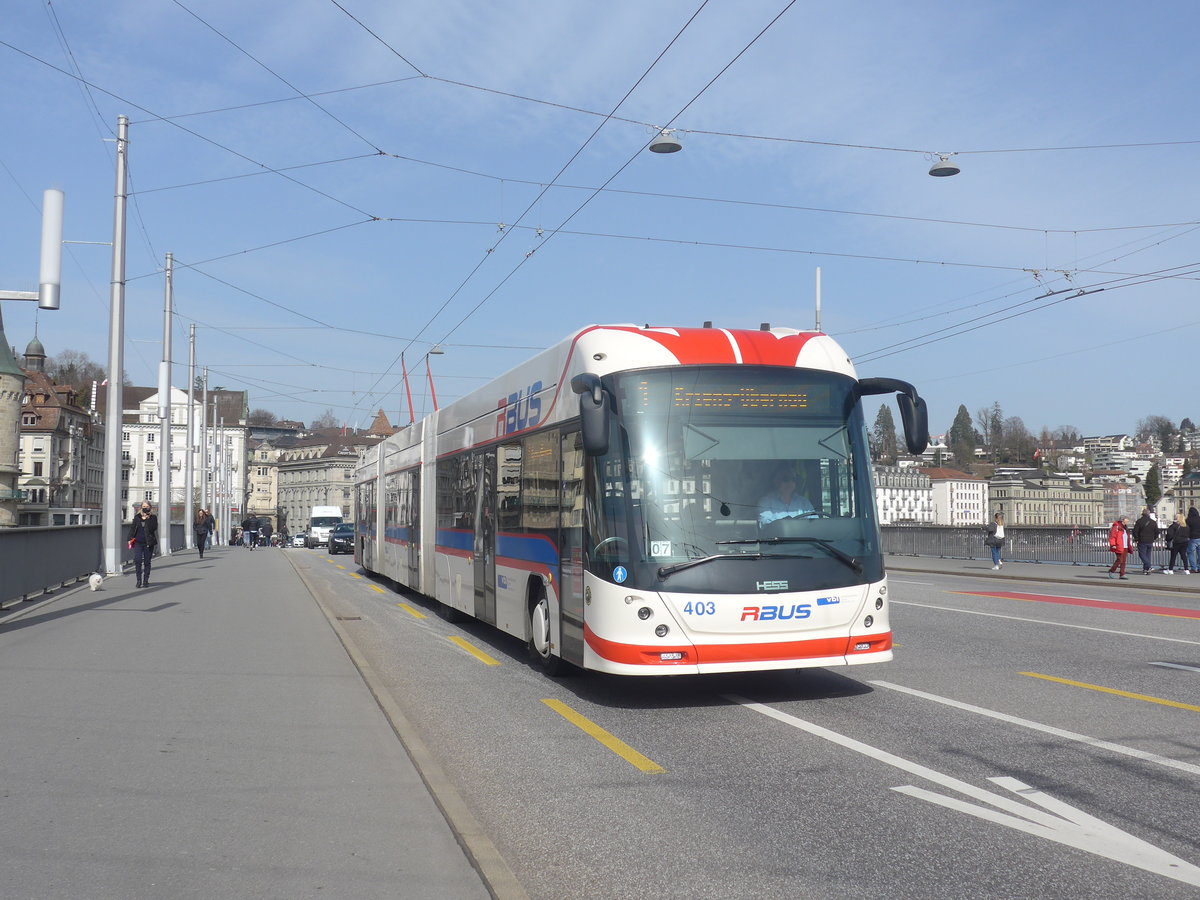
column 570, row 542
column 485, row 536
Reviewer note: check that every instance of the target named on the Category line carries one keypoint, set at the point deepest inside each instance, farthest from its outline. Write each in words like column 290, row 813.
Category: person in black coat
column 1145, row 533
column 1193, row 551
column 143, row 539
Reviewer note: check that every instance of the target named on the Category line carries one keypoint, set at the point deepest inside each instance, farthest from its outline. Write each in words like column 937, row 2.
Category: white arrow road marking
column 1062, row 823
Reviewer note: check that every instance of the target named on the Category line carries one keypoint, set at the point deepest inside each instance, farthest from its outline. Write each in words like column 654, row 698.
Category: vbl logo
column 520, row 410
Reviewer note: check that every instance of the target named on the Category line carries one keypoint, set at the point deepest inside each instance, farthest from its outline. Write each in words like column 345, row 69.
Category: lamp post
column 189, row 472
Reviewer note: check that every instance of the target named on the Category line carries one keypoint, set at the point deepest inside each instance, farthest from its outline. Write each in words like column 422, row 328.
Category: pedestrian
column 1177, row 543
column 1193, row 550
column 143, row 540
column 995, row 540
column 266, row 531
column 1145, row 533
column 1120, row 542
column 250, row 530
column 201, row 529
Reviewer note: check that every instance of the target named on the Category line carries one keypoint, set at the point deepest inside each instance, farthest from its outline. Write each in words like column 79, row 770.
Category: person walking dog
column 143, row 540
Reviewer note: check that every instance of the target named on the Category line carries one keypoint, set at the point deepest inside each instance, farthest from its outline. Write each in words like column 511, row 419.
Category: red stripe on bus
column 700, row 654
column 1093, row 604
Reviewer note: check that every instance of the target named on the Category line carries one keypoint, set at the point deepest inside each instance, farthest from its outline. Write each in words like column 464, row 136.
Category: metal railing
column 1043, row 544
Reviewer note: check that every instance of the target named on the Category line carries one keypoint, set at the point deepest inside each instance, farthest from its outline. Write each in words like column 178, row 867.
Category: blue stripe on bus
column 531, row 548
column 398, row 533
column 456, row 539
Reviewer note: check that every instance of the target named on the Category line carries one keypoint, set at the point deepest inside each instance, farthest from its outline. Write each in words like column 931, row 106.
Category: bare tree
column 262, row 417
column 77, row 369
column 326, row 420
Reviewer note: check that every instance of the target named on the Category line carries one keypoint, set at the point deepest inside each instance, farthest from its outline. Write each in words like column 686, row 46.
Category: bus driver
column 783, row 502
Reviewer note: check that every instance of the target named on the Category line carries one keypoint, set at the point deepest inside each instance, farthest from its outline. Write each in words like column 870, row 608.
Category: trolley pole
column 189, row 472
column 112, row 507
column 164, row 416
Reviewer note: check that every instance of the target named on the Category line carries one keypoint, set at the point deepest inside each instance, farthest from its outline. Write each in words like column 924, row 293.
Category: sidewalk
column 1054, row 573
column 206, row 737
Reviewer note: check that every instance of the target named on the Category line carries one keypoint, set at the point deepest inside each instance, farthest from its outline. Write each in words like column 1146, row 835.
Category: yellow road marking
column 352, row 574
column 377, row 589
column 343, row 568
column 412, row 612
column 474, row 651
column 613, row 743
column 1096, row 687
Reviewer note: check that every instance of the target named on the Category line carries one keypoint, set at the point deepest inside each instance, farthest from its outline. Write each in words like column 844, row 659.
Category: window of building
column 124, row 435
column 37, row 468
column 30, row 419
column 124, row 493
column 150, row 437
column 148, row 496
column 149, row 456
column 149, row 479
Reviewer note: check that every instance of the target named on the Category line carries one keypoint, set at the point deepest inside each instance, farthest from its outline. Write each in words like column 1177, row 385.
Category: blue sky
column 806, row 145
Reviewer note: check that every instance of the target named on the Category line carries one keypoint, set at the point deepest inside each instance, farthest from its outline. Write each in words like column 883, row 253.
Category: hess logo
column 519, row 410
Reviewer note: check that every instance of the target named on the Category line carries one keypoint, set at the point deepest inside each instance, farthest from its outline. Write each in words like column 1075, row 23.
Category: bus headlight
column 868, row 621
column 645, row 612
column 879, row 603
column 661, row 630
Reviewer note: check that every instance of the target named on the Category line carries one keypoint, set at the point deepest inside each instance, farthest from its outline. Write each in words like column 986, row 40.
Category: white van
column 320, row 523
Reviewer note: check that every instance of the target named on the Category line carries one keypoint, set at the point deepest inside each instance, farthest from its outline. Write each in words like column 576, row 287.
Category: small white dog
column 95, row 581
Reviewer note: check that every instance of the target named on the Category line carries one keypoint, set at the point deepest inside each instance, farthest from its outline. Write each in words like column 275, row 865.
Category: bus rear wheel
column 539, row 635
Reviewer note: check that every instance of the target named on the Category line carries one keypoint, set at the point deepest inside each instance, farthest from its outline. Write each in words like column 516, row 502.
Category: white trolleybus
column 649, row 501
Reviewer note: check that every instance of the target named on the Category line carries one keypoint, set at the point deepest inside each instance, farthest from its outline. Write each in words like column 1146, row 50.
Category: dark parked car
column 341, row 539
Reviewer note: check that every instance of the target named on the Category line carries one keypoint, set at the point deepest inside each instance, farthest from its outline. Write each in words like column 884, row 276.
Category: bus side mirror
column 913, row 411
column 594, row 412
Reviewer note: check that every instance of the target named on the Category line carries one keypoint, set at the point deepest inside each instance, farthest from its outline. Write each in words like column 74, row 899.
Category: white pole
column 204, row 480
column 189, row 473
column 818, row 328
column 164, row 417
column 114, row 513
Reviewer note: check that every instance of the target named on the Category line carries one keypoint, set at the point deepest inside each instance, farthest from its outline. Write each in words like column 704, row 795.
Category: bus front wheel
column 539, row 635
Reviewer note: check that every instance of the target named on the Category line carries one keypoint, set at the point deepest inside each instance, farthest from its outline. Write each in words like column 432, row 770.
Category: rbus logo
column 519, row 411
column 776, row 613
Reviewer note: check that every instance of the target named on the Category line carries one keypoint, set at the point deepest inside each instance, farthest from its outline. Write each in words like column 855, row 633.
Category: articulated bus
column 615, row 503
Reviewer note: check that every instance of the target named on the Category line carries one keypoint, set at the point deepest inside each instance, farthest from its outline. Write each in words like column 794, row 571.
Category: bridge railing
column 35, row 561
column 1046, row 544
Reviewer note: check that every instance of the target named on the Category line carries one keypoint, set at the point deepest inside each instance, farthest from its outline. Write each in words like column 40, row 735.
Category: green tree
column 962, row 439
column 1153, row 486
column 883, row 437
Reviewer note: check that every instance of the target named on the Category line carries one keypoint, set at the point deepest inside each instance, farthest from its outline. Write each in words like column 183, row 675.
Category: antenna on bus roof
column 765, row 326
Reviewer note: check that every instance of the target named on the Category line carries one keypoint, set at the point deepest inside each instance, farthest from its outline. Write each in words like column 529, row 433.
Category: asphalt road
column 1017, row 747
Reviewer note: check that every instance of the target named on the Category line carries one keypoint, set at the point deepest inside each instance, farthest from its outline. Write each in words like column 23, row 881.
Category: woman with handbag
column 143, row 539
column 995, row 540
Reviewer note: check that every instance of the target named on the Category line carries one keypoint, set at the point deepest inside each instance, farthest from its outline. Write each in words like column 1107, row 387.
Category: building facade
column 318, row 471
column 141, row 449
column 262, row 479
column 959, row 499
column 1048, row 500
column 61, row 451
column 903, row 495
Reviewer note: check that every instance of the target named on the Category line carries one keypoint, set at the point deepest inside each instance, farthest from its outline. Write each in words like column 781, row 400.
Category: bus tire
column 539, row 634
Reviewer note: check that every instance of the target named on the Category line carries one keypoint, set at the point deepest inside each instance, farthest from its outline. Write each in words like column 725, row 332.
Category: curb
column 483, row 855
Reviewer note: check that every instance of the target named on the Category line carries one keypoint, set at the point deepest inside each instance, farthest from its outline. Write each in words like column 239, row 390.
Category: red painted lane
column 1094, row 604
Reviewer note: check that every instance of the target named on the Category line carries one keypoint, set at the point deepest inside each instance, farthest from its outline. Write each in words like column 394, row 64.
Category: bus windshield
column 726, row 478
column 325, row 521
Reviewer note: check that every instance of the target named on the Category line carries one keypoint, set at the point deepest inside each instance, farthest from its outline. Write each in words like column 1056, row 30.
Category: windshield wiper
column 667, row 571
column 820, row 542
